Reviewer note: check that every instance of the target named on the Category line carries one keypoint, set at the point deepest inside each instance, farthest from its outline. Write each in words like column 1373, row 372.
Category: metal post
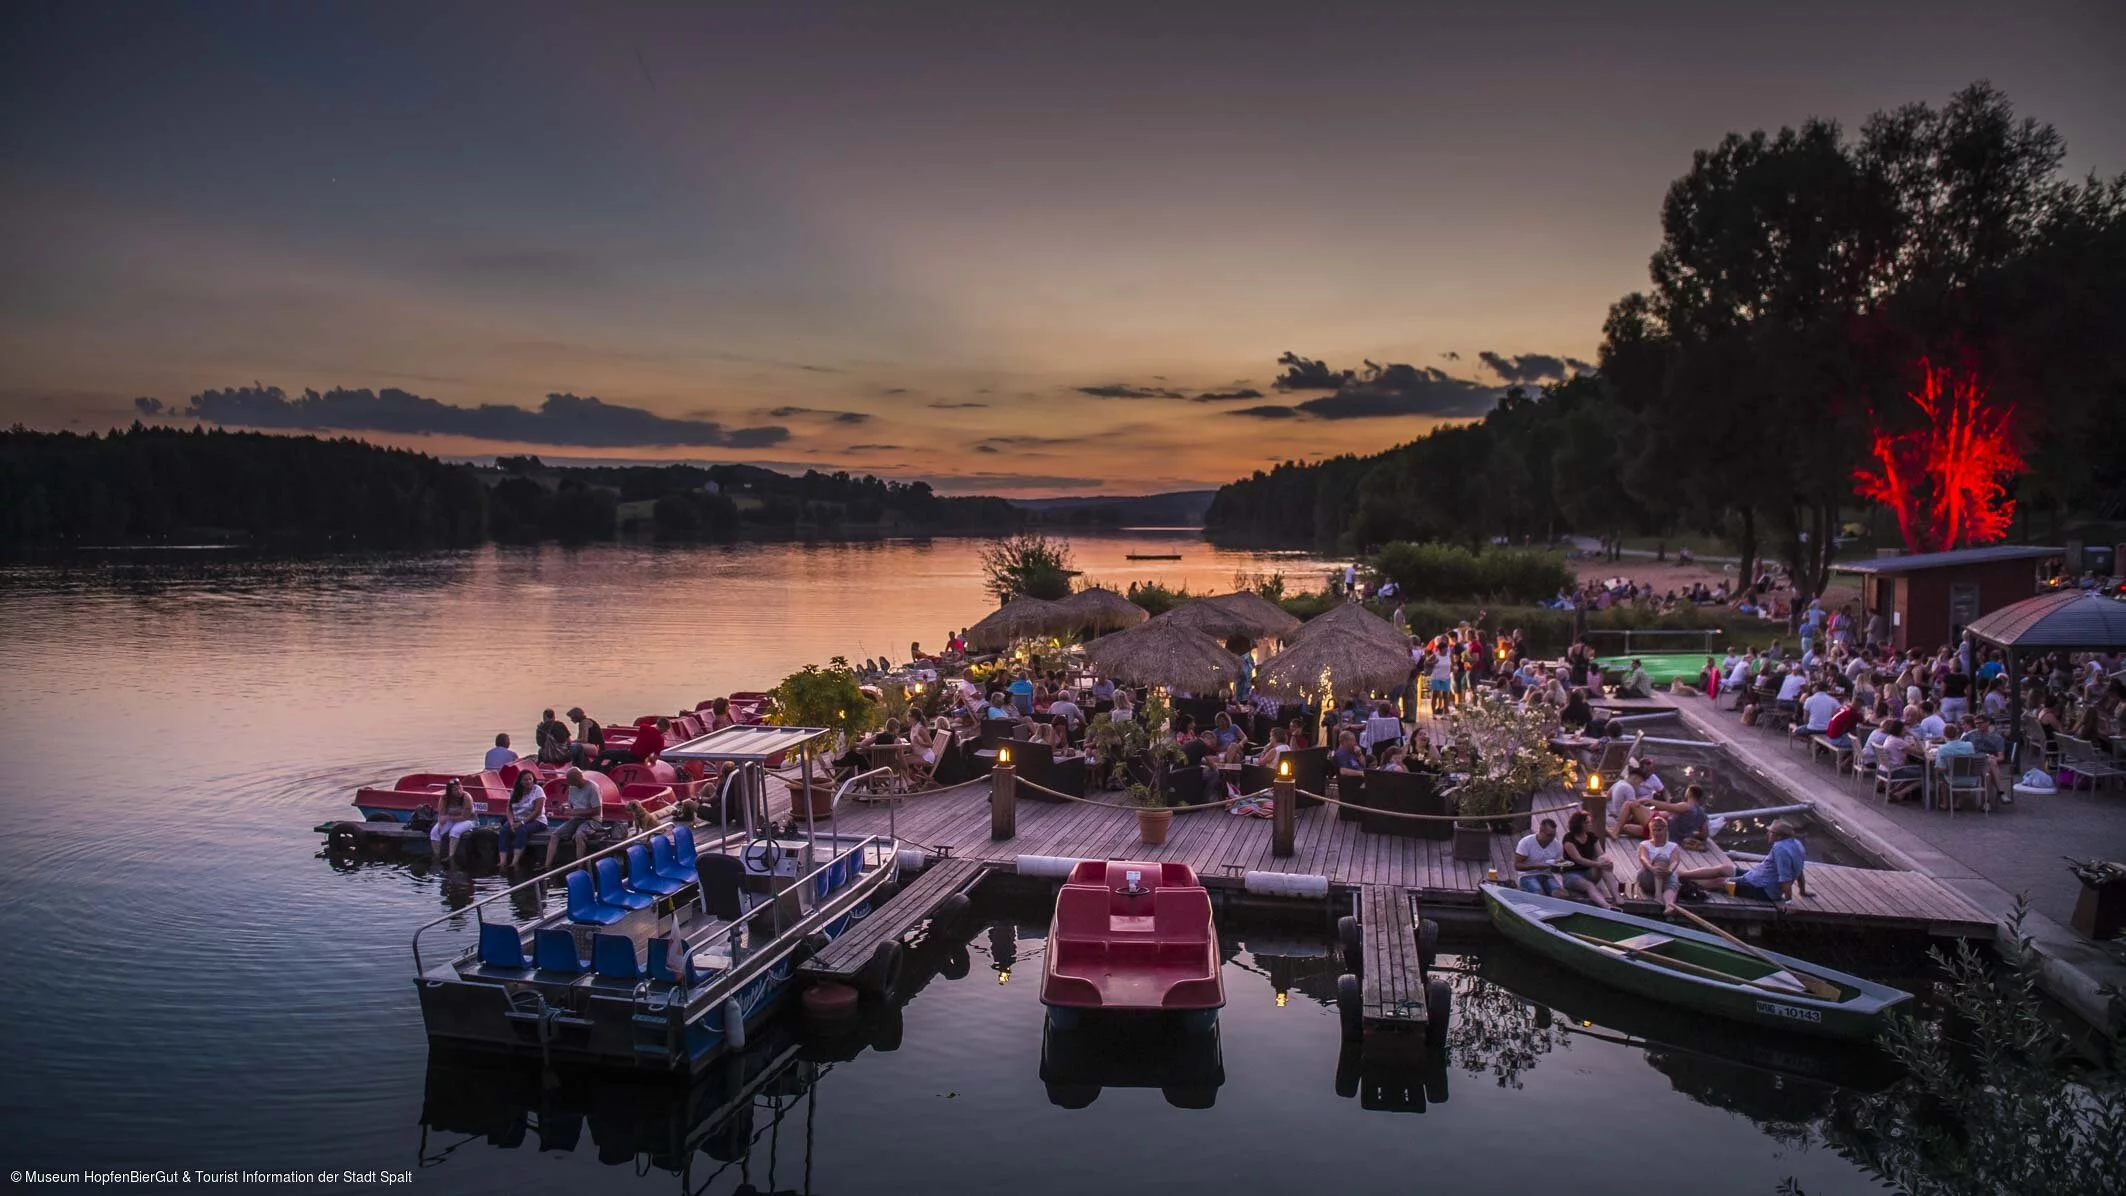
column 1284, row 806
column 1003, row 799
column 2015, row 718
column 805, row 774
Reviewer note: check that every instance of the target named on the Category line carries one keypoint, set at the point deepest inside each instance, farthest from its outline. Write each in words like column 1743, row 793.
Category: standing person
column 499, row 756
column 453, row 819
column 585, row 807
column 527, row 809
column 1537, row 857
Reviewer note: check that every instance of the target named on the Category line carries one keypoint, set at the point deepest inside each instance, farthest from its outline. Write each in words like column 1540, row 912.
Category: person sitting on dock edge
column 1588, row 874
column 1777, row 878
column 590, row 737
column 453, row 819
column 527, row 809
column 1659, row 856
column 584, row 806
column 1537, row 858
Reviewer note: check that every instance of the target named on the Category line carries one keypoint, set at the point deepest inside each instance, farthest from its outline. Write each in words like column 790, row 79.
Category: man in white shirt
column 1932, row 726
column 1068, row 711
column 1818, row 707
column 1791, row 685
column 500, row 755
column 1536, row 858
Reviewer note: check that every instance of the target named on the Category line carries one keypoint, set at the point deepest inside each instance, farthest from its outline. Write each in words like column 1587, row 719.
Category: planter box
column 2100, row 912
column 1472, row 844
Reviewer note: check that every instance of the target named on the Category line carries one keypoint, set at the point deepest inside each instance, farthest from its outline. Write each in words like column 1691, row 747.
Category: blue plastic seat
column 501, row 946
column 584, row 906
column 642, row 878
column 612, row 892
column 613, row 957
column 555, row 950
column 665, row 862
column 683, row 848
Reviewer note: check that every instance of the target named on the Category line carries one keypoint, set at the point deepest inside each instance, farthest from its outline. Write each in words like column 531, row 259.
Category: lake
column 191, row 985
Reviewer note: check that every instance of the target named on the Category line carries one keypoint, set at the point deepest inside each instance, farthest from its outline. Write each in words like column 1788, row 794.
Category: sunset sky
column 1004, row 247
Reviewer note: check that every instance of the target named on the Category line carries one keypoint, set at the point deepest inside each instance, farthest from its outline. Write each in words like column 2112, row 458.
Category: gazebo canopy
column 1353, row 661
column 2064, row 621
column 1270, row 620
column 1163, row 652
column 1103, row 610
column 1019, row 619
column 1350, row 618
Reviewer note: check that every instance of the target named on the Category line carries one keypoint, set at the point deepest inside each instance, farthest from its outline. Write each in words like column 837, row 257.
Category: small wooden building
column 1931, row 597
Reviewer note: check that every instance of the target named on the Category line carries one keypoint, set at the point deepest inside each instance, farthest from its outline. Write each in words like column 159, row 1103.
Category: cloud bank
column 565, row 420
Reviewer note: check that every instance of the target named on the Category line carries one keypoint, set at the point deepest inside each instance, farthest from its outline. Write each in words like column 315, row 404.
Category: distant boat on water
column 1153, row 556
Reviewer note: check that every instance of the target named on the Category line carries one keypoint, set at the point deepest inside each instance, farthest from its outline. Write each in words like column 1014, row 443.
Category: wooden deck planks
column 851, row 953
column 1349, row 856
column 1392, row 992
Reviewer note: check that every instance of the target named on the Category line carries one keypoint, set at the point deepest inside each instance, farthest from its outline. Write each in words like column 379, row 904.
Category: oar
column 1681, row 965
column 1818, row 987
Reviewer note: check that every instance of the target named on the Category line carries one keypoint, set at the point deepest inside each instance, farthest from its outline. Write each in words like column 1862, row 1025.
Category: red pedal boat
column 1132, row 937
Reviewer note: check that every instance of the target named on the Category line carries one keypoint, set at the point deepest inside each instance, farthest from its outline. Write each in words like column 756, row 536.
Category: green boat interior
column 1688, row 955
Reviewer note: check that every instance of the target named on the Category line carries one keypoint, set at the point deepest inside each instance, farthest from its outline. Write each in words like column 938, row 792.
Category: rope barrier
column 1209, row 805
column 1352, row 805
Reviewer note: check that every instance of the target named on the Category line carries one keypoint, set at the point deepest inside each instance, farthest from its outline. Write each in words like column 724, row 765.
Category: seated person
column 1588, row 873
column 1273, row 749
column 1223, row 730
column 1688, row 822
column 1391, row 758
column 1660, row 860
column 1819, row 708
column 1775, row 878
column 1537, row 858
column 1347, row 757
column 453, row 819
column 1626, row 813
column 499, row 756
column 1899, row 758
column 585, row 808
column 1636, row 683
column 999, row 707
column 1987, row 742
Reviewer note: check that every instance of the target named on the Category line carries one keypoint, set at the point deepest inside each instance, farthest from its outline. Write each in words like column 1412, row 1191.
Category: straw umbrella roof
column 1163, row 652
column 1354, row 662
column 1271, row 620
column 1207, row 617
column 1018, row 619
column 1103, row 610
column 1350, row 618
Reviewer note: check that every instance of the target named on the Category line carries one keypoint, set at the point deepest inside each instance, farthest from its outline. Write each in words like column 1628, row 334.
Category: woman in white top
column 527, row 809
column 1659, row 860
column 920, row 740
column 1275, row 748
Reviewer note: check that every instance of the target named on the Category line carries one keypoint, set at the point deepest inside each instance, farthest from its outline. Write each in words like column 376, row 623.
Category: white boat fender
column 910, row 859
column 1285, row 884
column 1055, row 867
column 734, row 1023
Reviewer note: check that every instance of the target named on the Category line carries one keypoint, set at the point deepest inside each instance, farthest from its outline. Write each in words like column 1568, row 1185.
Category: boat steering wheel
column 764, row 849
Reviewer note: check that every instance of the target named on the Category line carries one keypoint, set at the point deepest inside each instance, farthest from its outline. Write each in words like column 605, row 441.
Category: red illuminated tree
column 1947, row 480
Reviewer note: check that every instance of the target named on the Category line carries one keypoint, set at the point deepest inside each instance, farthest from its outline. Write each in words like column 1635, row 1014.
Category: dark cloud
column 818, row 369
column 1303, row 374
column 986, row 448
column 1530, row 368
column 871, row 448
column 990, row 483
column 148, row 406
column 1270, row 412
column 840, row 417
column 950, row 405
column 896, row 390
column 1451, row 355
column 1031, row 442
column 1117, row 390
column 1228, row 396
column 563, row 419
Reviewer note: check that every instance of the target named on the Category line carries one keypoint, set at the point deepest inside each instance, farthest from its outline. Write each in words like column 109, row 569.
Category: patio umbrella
column 1162, row 652
column 1350, row 618
column 1218, row 622
column 1270, row 620
column 1103, row 610
column 1353, row 661
column 1018, row 619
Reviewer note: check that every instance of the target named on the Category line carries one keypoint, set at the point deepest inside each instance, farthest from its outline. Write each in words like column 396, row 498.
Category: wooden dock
column 1392, row 994
column 1221, row 847
column 846, row 959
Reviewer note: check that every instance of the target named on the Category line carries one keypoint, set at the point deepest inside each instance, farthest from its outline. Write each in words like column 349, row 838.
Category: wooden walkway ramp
column 954, row 822
column 1392, row 993
column 847, row 957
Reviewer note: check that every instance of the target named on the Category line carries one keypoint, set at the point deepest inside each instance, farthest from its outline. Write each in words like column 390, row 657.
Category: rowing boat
column 1690, row 968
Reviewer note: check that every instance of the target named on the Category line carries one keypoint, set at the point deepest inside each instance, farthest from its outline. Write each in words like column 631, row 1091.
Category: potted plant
column 1511, row 762
column 2100, row 912
column 821, row 697
column 1153, row 817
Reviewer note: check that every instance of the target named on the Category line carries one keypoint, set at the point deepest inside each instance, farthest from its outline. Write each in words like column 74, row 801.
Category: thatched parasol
column 1018, row 619
column 1162, row 652
column 1270, row 620
column 1103, row 610
column 1350, row 618
column 1353, row 661
column 1202, row 615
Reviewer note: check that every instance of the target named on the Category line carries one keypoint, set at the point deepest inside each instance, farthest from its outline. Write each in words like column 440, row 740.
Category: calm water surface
column 188, row 984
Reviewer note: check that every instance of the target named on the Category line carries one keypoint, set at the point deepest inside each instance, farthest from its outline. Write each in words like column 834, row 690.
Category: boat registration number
column 1790, row 1012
